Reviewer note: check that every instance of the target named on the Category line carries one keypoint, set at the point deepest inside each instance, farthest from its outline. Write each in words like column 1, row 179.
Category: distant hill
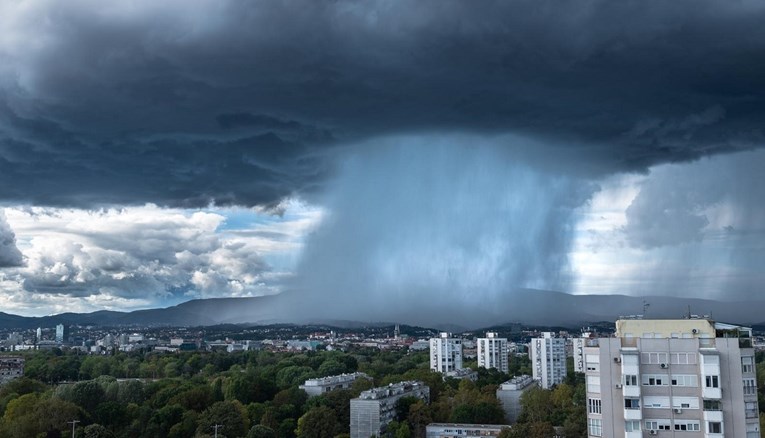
column 534, row 307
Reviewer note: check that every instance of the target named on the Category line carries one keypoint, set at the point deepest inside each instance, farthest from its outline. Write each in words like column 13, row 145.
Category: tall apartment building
column 445, row 353
column 492, row 352
column 62, row 333
column 686, row 377
column 374, row 409
column 548, row 360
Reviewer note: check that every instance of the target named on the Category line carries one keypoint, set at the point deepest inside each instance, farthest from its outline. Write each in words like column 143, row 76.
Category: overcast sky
column 378, row 155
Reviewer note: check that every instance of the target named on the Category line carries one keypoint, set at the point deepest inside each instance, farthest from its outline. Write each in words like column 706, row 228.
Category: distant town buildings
column 11, row 367
column 492, row 352
column 690, row 377
column 62, row 333
column 548, row 359
column 449, row 430
column 314, row 387
column 374, row 409
column 445, row 353
column 509, row 395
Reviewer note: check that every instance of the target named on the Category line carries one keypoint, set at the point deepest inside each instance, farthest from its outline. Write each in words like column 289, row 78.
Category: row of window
column 688, row 358
column 595, row 426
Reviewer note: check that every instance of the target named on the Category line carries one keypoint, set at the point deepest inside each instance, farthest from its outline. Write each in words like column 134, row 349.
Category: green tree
column 259, row 431
column 318, row 422
column 230, row 414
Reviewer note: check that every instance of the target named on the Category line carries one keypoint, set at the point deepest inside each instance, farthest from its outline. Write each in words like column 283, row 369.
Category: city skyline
column 373, row 158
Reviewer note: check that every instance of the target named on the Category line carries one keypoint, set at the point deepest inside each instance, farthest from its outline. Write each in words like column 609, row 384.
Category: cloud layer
column 10, row 256
column 139, row 256
column 240, row 103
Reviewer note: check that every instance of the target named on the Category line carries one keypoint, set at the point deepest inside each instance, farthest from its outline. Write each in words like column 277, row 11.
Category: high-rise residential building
column 38, row 334
column 548, row 359
column 509, row 394
column 492, row 352
column 578, row 345
column 445, row 353
column 691, row 377
column 62, row 333
column 374, row 409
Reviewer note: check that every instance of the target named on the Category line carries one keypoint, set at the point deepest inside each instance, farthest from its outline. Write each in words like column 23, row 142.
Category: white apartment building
column 548, row 359
column 374, row 409
column 314, row 387
column 445, row 353
column 492, row 352
column 509, row 395
column 672, row 378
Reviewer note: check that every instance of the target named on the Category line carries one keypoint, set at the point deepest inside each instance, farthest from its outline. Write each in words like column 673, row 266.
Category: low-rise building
column 11, row 367
column 509, row 394
column 449, row 430
column 314, row 387
column 464, row 373
column 374, row 409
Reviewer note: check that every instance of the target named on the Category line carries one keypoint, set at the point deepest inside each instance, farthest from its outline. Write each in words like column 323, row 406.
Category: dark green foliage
column 259, row 431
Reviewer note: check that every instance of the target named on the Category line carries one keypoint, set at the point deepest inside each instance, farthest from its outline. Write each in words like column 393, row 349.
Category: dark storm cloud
column 240, row 102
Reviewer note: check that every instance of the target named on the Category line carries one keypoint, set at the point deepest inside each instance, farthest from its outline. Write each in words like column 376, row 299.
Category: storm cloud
column 464, row 224
column 187, row 104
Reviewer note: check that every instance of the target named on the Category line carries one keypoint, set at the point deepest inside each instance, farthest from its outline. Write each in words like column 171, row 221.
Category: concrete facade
column 492, row 352
column 449, row 430
column 11, row 367
column 668, row 377
column 445, row 353
column 509, row 395
column 374, row 409
column 548, row 360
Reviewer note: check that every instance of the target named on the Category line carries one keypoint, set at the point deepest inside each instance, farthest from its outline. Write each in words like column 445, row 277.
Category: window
column 631, row 403
column 682, row 358
column 653, row 358
column 750, row 387
column 654, row 380
column 595, row 426
column 712, row 405
column 712, row 382
column 684, row 380
column 593, row 384
column 751, row 410
column 630, row 380
column 657, row 425
column 714, row 427
column 594, row 406
column 747, row 364
column 632, row 425
column 690, row 426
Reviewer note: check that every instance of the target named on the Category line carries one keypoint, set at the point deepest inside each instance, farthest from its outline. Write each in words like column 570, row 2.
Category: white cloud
column 139, row 257
column 690, row 229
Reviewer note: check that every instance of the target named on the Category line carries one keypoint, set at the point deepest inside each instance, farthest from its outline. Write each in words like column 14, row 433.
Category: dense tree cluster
column 250, row 394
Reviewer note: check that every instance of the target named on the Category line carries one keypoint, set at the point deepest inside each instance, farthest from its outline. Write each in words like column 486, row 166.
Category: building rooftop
column 329, row 380
column 391, row 390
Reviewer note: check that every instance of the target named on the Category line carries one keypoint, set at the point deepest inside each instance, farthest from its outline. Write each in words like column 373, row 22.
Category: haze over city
column 373, row 159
